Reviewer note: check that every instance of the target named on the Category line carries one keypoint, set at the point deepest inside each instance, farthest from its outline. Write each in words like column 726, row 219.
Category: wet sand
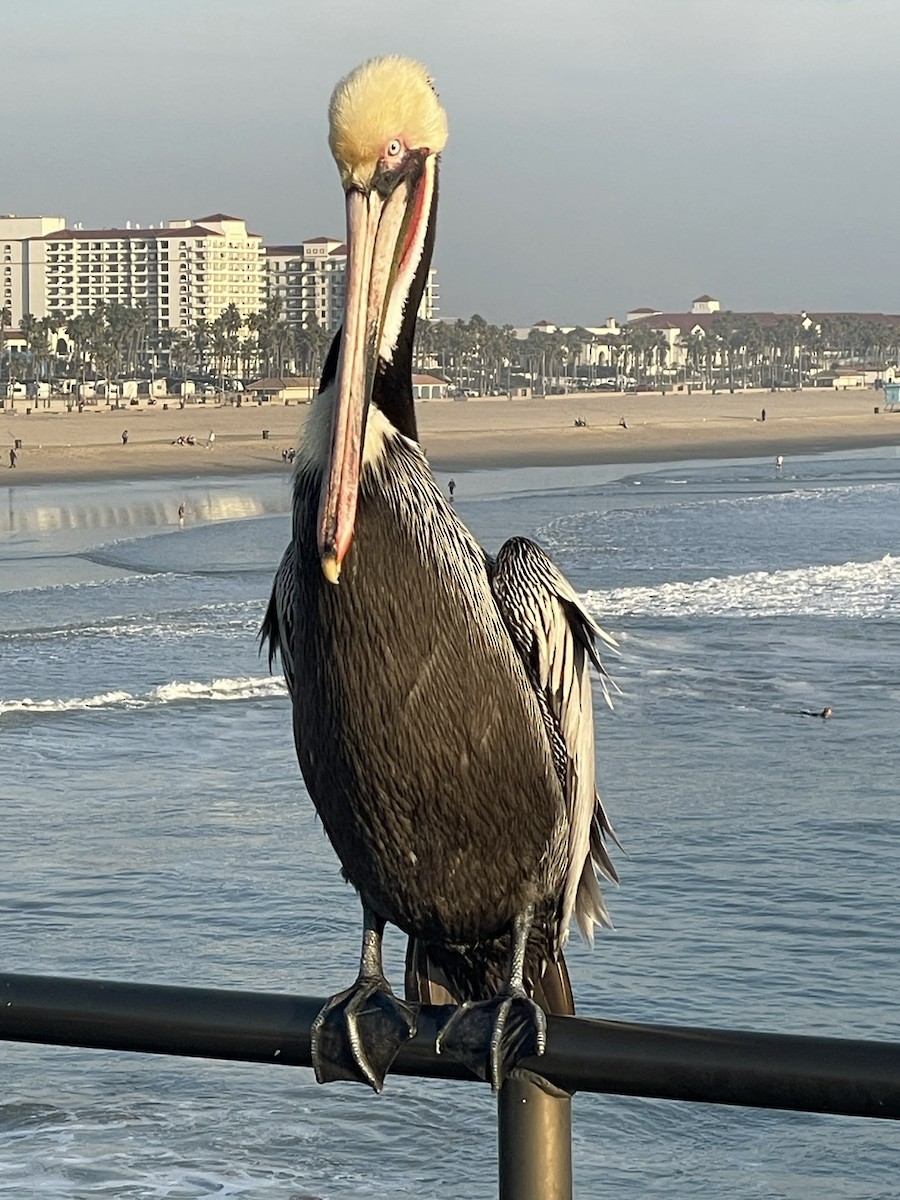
column 456, row 435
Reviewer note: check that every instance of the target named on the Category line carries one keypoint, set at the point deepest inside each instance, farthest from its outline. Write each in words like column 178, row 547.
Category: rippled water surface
column 155, row 827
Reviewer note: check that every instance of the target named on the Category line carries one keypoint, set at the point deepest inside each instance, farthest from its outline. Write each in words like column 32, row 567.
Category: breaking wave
column 249, row 688
column 852, row 589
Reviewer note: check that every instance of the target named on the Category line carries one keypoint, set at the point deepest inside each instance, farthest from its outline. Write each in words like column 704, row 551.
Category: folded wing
column 556, row 640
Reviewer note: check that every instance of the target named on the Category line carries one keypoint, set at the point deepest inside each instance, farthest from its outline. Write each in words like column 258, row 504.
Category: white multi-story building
column 310, row 281
column 21, row 248
column 185, row 271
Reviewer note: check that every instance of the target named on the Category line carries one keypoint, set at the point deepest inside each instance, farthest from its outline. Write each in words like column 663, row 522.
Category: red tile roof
column 688, row 321
column 875, row 318
column 279, row 383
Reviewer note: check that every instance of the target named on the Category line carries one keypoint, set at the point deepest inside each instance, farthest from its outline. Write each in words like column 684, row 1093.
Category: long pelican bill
column 384, row 238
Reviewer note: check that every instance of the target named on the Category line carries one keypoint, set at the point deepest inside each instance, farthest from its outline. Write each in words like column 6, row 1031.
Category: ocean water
column 155, row 826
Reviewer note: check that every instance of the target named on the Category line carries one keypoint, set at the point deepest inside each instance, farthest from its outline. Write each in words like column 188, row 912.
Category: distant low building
column 284, row 390
column 429, row 387
column 841, row 378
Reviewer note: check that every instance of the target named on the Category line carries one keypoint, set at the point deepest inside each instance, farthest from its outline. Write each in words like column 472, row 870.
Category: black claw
column 491, row 1037
column 359, row 1032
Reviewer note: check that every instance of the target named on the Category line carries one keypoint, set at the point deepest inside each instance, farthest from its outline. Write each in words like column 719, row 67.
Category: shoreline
column 457, row 436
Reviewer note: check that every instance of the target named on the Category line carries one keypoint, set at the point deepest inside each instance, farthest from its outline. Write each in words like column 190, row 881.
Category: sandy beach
column 457, row 435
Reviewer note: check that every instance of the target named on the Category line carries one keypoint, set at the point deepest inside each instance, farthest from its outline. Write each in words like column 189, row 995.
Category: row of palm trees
column 738, row 349
column 479, row 356
column 115, row 340
column 734, row 349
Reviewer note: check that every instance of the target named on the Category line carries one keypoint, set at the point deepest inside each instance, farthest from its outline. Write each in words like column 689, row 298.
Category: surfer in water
column 824, row 714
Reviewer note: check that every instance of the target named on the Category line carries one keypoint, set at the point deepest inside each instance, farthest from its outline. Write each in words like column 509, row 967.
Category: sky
column 603, row 154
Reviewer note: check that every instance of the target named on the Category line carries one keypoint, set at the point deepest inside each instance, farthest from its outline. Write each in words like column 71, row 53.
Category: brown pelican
column 441, row 699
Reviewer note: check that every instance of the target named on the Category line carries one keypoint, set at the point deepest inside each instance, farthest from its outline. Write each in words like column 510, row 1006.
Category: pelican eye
column 393, row 148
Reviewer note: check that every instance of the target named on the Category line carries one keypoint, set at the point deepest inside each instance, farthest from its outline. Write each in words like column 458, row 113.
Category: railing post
column 534, row 1133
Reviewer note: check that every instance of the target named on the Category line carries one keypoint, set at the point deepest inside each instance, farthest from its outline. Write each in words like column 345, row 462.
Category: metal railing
column 713, row 1066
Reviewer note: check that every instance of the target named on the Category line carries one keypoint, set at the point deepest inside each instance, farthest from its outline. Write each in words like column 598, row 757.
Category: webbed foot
column 359, row 1032
column 491, row 1036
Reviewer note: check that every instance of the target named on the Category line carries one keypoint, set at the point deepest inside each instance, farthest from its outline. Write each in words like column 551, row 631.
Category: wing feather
column 556, row 639
column 276, row 632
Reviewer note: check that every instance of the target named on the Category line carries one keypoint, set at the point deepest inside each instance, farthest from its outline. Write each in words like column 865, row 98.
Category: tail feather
column 428, row 981
column 270, row 631
column 425, row 982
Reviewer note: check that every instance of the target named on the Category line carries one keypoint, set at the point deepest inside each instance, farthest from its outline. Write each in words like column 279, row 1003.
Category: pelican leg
column 359, row 1031
column 491, row 1036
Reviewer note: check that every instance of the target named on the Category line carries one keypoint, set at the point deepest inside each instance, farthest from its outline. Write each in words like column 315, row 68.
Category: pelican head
column 386, row 130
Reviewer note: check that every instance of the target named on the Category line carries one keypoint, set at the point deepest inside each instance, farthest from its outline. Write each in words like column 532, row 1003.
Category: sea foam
column 852, row 589
column 177, row 692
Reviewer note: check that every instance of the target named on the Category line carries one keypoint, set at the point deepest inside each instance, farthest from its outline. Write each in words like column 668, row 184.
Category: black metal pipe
column 851, row 1078
column 534, row 1139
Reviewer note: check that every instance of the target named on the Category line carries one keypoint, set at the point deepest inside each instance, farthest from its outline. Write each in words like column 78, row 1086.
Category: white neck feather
column 314, row 444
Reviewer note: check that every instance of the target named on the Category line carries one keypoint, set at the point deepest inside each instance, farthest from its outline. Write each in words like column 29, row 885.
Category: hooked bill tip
column 331, row 568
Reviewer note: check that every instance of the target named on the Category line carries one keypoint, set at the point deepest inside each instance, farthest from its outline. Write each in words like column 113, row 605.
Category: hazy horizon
column 603, row 155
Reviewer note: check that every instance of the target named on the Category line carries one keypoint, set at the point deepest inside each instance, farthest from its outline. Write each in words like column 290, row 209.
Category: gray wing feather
column 276, row 632
column 556, row 637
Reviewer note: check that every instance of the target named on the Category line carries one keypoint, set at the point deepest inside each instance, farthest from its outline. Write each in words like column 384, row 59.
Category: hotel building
column 182, row 272
column 310, row 281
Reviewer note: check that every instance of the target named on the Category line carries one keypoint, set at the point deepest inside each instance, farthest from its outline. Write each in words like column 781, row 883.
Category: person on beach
column 622, row 422
column 211, row 440
column 762, row 415
column 451, row 488
column 13, row 457
column 124, row 437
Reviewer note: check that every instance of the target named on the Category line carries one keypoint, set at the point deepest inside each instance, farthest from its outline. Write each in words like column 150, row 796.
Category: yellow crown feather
column 385, row 98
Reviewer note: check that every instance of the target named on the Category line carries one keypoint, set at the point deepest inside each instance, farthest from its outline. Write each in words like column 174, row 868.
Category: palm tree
column 272, row 336
column 36, row 331
column 536, row 348
column 511, row 353
column 5, row 321
column 202, row 334
column 695, row 354
column 577, row 340
column 636, row 343
column 424, row 344
column 182, row 352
